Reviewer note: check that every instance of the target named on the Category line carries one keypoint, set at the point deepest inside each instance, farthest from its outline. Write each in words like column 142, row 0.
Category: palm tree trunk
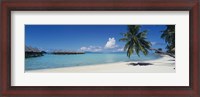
column 171, row 55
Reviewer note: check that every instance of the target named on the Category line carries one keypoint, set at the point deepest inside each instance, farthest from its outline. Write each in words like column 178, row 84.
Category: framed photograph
column 137, row 48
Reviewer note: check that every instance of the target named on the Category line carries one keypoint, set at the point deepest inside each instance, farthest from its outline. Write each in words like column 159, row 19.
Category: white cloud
column 91, row 48
column 120, row 49
column 84, row 48
column 157, row 43
column 111, row 43
column 153, row 43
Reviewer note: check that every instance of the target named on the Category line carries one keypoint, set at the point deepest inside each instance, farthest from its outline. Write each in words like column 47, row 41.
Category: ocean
column 56, row 61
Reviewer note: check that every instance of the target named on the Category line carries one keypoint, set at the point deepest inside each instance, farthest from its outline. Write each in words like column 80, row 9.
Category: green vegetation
column 169, row 36
column 135, row 41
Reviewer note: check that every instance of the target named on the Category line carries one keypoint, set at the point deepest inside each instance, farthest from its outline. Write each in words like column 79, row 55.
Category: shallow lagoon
column 57, row 61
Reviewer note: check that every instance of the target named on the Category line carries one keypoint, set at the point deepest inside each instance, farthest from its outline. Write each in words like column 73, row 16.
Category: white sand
column 161, row 65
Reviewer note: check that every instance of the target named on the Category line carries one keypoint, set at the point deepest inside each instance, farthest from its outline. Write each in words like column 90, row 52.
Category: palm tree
column 169, row 36
column 135, row 41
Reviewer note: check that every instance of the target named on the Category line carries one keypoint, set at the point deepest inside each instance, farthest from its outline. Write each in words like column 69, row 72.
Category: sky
column 91, row 38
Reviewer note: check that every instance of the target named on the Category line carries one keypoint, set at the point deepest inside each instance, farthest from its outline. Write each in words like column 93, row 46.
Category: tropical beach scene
column 100, row 49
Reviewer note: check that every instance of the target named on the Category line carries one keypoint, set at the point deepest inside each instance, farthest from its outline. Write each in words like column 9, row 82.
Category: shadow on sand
column 140, row 64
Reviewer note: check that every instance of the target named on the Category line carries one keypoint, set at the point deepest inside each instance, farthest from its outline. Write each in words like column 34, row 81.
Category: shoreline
column 165, row 64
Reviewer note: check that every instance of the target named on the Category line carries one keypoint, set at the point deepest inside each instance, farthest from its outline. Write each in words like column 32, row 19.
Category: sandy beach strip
column 165, row 64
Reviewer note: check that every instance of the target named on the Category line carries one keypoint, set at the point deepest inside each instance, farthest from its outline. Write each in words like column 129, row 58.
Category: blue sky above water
column 92, row 38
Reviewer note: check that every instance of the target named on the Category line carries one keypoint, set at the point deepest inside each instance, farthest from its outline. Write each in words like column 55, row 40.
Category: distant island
column 35, row 52
column 67, row 52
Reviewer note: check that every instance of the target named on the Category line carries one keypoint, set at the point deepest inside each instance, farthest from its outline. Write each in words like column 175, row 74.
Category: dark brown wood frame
column 193, row 90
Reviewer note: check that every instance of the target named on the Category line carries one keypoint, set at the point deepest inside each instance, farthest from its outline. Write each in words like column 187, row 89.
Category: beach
column 165, row 64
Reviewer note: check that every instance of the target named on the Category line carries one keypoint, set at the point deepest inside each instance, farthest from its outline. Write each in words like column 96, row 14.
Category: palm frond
column 135, row 41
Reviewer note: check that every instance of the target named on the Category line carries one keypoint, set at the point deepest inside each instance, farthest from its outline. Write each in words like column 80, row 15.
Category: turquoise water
column 56, row 61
